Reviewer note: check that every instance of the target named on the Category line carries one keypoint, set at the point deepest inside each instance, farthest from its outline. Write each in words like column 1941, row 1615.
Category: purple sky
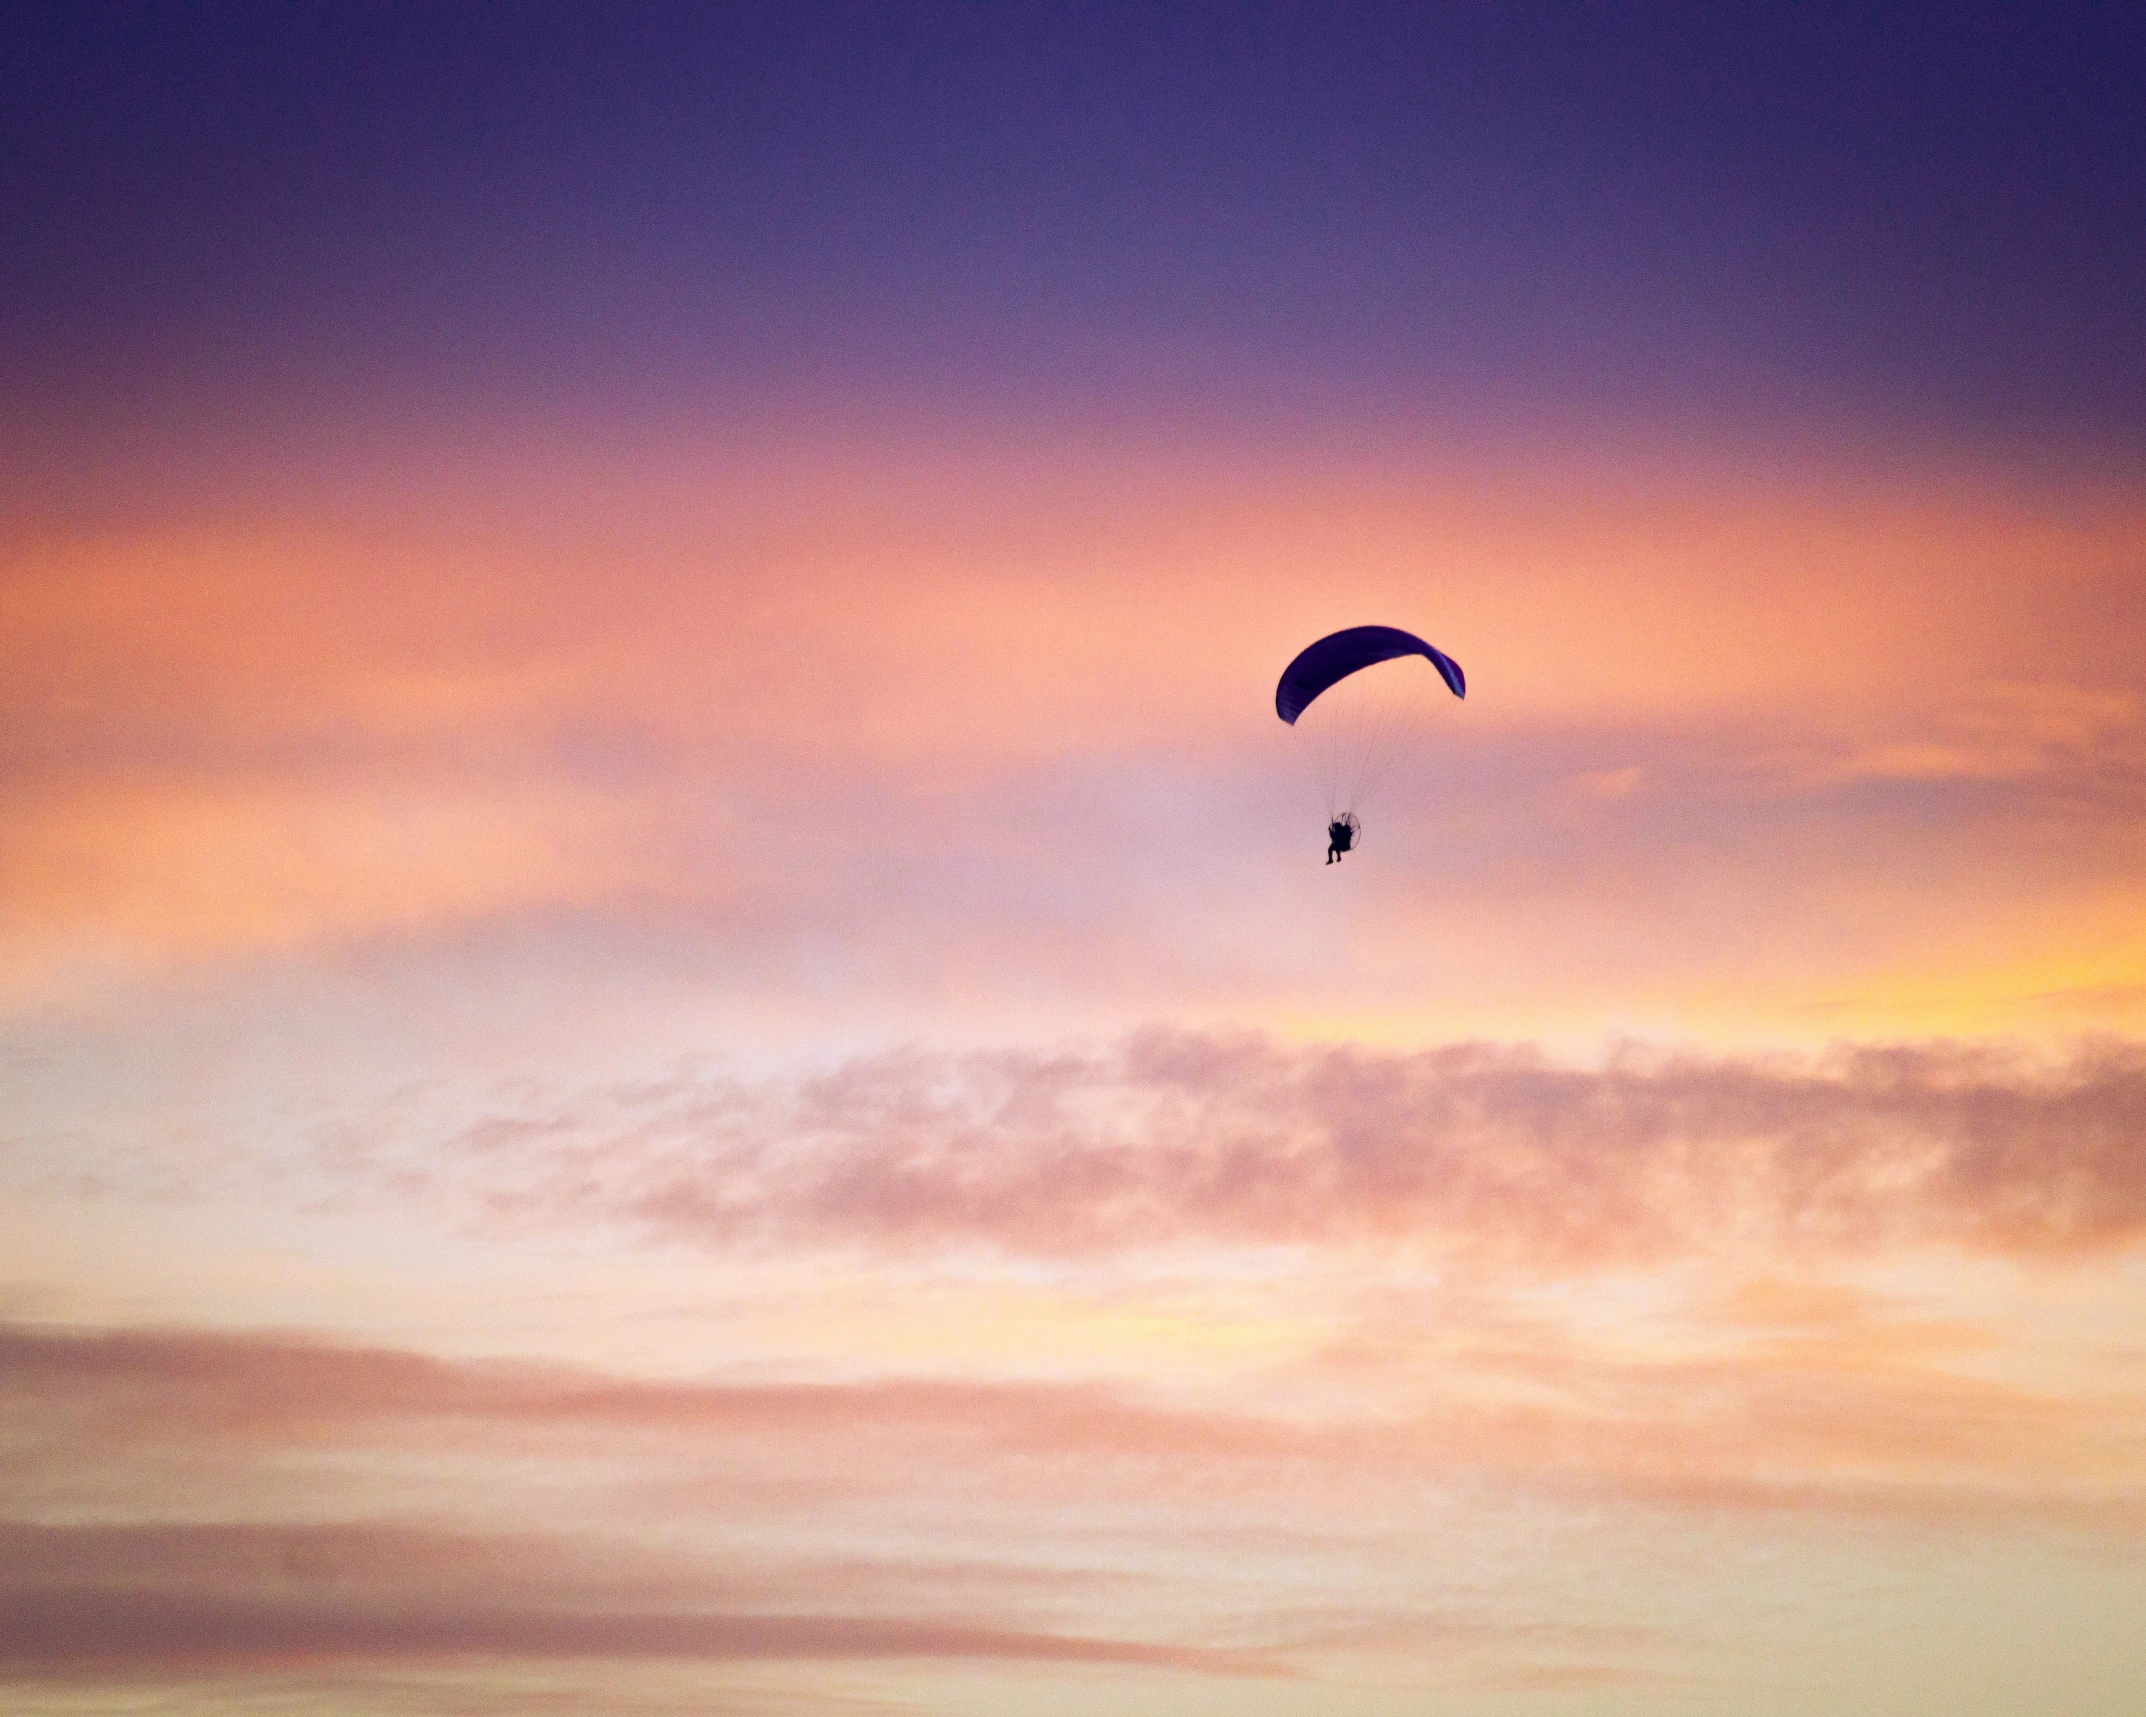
column 1936, row 216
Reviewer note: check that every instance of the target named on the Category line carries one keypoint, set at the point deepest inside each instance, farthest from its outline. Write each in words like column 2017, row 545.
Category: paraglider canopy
column 1363, row 703
column 1340, row 654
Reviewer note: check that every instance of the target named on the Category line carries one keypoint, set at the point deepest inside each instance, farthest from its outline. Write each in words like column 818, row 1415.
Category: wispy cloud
column 841, row 688
column 1173, row 1140
column 1850, row 1412
column 177, row 1633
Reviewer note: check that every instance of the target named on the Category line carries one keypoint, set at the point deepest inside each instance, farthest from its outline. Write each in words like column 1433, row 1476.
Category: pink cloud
column 1173, row 1140
column 118, row 1631
column 1857, row 1414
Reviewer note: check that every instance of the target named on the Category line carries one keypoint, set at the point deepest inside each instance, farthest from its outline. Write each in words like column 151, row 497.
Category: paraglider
column 1359, row 713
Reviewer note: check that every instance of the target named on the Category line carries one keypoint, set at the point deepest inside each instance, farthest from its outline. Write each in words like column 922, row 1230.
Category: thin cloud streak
column 112, row 1631
column 1861, row 1422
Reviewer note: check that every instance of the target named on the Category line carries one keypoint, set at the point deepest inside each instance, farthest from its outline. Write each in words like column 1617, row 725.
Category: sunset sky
column 672, row 1035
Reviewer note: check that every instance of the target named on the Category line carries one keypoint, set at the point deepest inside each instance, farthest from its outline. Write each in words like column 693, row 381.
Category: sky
column 673, row 1038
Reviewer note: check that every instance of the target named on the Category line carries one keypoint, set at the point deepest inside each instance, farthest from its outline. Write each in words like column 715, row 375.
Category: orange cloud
column 542, row 676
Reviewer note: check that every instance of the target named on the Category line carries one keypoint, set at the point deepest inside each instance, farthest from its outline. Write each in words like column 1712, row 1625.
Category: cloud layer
column 990, row 723
column 188, row 1503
